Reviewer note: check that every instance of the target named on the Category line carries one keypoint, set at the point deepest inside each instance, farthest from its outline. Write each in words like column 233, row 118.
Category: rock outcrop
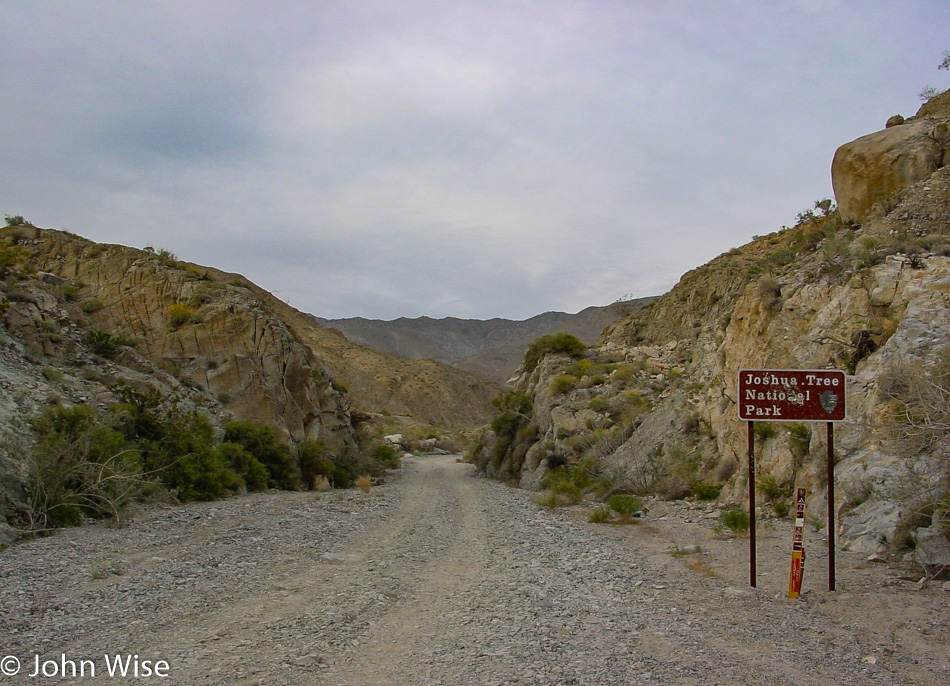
column 426, row 391
column 874, row 168
column 653, row 405
column 210, row 329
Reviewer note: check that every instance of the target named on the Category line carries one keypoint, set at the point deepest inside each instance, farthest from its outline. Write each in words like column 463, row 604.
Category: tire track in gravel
column 456, row 561
column 435, row 578
column 379, row 586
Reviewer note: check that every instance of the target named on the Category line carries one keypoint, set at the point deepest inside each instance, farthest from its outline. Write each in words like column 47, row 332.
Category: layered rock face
column 421, row 391
column 654, row 404
column 214, row 333
column 874, row 168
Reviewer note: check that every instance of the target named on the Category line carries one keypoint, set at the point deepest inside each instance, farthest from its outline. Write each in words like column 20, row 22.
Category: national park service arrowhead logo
column 829, row 401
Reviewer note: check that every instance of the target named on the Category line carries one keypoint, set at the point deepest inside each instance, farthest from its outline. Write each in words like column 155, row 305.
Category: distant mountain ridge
column 490, row 348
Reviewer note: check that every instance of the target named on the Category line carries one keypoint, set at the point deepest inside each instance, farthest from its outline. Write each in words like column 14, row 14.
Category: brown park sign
column 791, row 395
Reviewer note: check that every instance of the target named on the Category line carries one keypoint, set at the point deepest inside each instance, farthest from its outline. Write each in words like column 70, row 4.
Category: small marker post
column 798, row 547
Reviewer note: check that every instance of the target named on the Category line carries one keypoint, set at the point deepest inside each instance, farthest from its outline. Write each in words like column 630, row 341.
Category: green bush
column 514, row 432
column 79, row 468
column 263, row 443
column 203, row 474
column 780, row 508
column 10, row 256
column 769, row 486
column 735, row 519
column 763, row 430
column 624, row 505
column 91, row 305
column 563, row 383
column 599, row 515
column 313, row 461
column 52, row 374
column 179, row 314
column 177, row 447
column 251, row 470
column 799, row 439
column 705, row 490
column 387, row 456
column 102, row 343
column 168, row 259
column 563, row 343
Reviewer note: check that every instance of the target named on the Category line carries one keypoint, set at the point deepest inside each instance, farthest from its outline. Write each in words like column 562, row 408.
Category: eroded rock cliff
column 653, row 405
column 209, row 329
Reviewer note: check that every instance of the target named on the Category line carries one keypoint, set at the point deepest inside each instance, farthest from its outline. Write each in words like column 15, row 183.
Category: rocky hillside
column 421, row 390
column 79, row 320
column 208, row 329
column 652, row 407
column 490, row 348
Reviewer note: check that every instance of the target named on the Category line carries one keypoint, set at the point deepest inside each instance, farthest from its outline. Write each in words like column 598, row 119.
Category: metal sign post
column 792, row 395
column 831, row 506
column 752, row 504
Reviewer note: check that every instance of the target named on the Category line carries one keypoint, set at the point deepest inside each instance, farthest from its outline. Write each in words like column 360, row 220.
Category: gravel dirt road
column 442, row 578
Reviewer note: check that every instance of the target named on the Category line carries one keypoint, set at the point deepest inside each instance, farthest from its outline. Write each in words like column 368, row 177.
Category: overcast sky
column 459, row 158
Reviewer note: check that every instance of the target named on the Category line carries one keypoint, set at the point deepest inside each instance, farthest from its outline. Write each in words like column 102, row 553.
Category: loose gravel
column 442, row 578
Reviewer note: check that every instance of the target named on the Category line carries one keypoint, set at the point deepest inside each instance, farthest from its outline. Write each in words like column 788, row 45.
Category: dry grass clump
column 364, row 483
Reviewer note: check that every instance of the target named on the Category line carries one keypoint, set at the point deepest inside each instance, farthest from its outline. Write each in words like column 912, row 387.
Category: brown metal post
column 831, row 506
column 751, row 505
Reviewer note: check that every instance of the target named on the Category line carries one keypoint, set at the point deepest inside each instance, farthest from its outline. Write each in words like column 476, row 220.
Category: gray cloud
column 470, row 159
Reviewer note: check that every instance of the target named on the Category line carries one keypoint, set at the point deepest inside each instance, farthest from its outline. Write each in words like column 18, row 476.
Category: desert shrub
column 919, row 397
column 251, row 470
column 514, row 431
column 679, row 472
column 599, row 515
column 563, row 383
column 91, row 305
column 178, row 447
column 52, row 374
column 202, row 474
column 263, row 443
column 624, row 505
column 364, row 483
column 705, row 490
column 167, row 259
column 735, row 519
column 563, row 343
column 769, row 487
column 763, row 431
column 799, row 439
column 10, row 256
column 79, row 467
column 599, row 404
column 313, row 460
column 102, row 343
column 179, row 314
column 387, row 456
column 780, row 508
column 16, row 220
column 69, row 292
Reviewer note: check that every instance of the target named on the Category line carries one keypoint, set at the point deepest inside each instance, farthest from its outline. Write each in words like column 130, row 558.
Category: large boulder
column 874, row 167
